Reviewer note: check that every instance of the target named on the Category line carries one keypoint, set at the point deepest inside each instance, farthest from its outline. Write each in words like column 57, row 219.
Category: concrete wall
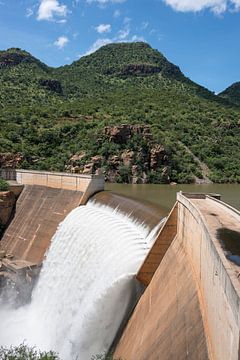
column 160, row 247
column 191, row 308
column 59, row 180
column 218, row 284
column 45, row 201
column 167, row 323
column 39, row 211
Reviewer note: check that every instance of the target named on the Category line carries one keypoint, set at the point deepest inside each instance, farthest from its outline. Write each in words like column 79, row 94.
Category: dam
column 159, row 289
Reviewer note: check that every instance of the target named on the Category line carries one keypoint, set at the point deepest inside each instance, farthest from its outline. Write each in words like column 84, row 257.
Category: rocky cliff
column 137, row 159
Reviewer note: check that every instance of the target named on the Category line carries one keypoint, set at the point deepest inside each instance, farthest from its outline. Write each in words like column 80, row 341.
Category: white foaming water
column 86, row 285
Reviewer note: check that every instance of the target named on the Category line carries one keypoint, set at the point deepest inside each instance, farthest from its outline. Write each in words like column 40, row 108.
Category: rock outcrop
column 10, row 160
column 139, row 159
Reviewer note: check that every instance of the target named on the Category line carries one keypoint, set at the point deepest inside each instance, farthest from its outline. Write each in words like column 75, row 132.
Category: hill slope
column 125, row 111
column 232, row 93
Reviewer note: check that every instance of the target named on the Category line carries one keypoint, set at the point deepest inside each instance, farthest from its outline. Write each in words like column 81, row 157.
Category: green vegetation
column 4, row 185
column 23, row 352
column 232, row 93
column 104, row 357
column 48, row 115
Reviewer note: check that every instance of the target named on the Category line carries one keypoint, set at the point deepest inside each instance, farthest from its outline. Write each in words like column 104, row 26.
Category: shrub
column 4, row 186
column 23, row 352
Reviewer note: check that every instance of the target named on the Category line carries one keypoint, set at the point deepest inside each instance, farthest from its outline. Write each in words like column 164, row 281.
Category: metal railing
column 8, row 174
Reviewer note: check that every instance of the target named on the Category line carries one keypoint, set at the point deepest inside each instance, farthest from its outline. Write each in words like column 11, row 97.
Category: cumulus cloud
column 216, row 6
column 61, row 42
column 103, row 28
column 48, row 9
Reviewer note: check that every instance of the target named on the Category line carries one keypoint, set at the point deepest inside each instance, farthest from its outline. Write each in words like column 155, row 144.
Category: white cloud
column 137, row 38
column 101, row 42
column 96, row 45
column 29, row 12
column 61, row 42
column 216, row 6
column 50, row 8
column 236, row 4
column 103, row 28
column 123, row 34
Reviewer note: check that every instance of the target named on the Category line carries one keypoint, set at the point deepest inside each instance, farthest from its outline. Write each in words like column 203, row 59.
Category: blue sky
column 200, row 36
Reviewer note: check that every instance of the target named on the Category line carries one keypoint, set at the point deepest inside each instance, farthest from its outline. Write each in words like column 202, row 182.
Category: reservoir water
column 165, row 195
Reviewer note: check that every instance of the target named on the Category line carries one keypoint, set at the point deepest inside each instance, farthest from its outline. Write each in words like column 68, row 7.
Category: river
column 165, row 195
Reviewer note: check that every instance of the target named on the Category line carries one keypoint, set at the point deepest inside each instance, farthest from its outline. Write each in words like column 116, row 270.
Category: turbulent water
column 86, row 285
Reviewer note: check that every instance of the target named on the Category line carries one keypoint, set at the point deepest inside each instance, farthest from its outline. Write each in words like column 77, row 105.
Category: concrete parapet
column 215, row 276
column 60, row 180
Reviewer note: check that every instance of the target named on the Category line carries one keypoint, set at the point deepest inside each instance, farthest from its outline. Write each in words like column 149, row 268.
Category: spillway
column 86, row 286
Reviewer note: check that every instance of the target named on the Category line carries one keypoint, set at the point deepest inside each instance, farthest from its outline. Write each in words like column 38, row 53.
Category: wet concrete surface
column 230, row 240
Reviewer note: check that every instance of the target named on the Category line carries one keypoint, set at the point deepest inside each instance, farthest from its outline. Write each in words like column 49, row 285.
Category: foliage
column 4, row 186
column 232, row 93
column 48, row 114
column 24, row 352
column 104, row 357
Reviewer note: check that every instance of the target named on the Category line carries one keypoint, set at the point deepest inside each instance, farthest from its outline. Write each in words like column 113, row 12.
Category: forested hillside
column 124, row 111
column 232, row 93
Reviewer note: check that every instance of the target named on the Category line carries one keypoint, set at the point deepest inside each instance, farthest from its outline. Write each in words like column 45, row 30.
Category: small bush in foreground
column 104, row 357
column 3, row 185
column 24, row 352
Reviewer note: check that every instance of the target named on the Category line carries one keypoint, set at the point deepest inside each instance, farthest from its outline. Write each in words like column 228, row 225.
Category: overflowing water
column 85, row 288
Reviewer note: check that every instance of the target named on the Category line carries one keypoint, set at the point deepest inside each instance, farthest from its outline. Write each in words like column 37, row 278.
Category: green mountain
column 125, row 111
column 232, row 93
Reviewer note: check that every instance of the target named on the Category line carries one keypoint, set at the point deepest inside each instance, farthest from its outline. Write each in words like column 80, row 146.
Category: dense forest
column 124, row 111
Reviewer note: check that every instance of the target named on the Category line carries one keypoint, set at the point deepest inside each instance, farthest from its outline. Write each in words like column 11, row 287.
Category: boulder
column 158, row 156
column 128, row 158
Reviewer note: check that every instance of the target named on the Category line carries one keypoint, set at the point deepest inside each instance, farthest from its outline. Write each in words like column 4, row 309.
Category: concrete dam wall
column 190, row 309
column 46, row 199
column 39, row 211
